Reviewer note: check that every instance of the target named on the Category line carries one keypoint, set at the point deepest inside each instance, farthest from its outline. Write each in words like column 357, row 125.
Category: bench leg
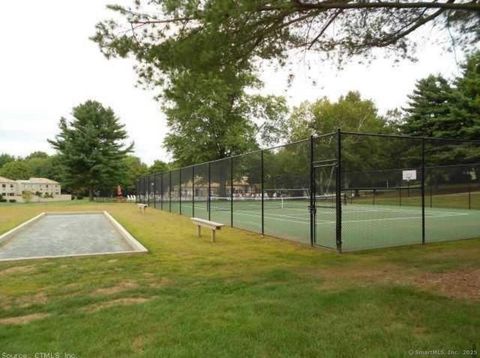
column 213, row 235
column 199, row 231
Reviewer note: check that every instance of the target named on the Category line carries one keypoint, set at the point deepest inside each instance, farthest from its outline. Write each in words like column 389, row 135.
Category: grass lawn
column 242, row 296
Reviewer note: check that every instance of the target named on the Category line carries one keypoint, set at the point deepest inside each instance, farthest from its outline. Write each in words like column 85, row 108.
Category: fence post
column 431, row 195
column 161, row 191
column 423, row 190
column 193, row 191
column 170, row 191
column 209, row 188
column 231, row 191
column 180, row 189
column 155, row 190
column 338, row 191
column 312, row 194
column 148, row 190
column 261, row 188
column 136, row 191
column 144, row 189
column 469, row 197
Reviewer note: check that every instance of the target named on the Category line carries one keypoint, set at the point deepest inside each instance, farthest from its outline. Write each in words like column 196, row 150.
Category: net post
column 261, row 188
column 312, row 193
column 423, row 191
column 338, row 192
column 193, row 191
column 170, row 191
column 231, row 191
column 155, row 190
column 180, row 190
column 209, row 188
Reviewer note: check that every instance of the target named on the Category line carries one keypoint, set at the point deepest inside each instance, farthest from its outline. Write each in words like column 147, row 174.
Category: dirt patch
column 26, row 301
column 23, row 319
column 363, row 276
column 457, row 284
column 464, row 283
column 23, row 301
column 161, row 282
column 138, row 344
column 118, row 302
column 121, row 287
column 17, row 269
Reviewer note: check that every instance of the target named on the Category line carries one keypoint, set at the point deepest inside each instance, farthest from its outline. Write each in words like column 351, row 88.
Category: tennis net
column 253, row 203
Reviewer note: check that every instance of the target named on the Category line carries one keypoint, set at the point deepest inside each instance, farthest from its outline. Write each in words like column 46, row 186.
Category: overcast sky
column 48, row 65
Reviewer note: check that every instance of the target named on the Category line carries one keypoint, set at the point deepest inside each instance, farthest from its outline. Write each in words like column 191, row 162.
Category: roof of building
column 37, row 181
column 6, row 180
column 42, row 181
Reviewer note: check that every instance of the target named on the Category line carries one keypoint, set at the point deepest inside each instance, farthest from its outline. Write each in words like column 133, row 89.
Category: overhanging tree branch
column 327, row 5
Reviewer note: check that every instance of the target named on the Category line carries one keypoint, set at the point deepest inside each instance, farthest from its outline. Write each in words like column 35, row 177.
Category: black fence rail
column 342, row 190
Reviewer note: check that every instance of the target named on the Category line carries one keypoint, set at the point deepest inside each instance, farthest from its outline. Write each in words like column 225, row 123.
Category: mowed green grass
column 240, row 297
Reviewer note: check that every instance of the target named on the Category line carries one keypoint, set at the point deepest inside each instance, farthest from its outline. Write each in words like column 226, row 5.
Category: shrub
column 12, row 200
column 27, row 196
column 79, row 197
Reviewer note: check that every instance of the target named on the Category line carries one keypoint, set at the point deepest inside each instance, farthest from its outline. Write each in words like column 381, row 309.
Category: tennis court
column 364, row 226
column 365, row 190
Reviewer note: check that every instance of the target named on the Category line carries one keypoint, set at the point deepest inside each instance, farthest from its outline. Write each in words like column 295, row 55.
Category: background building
column 8, row 187
column 40, row 189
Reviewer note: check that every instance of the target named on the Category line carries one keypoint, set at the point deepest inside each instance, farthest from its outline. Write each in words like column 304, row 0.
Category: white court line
column 275, row 218
column 322, row 222
column 400, row 218
column 289, row 218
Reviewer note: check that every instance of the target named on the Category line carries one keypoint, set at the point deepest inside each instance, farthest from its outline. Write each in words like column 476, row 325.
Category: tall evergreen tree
column 91, row 148
column 428, row 111
column 465, row 108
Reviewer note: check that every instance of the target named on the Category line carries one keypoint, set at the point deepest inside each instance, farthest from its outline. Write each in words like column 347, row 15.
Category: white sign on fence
column 409, row 175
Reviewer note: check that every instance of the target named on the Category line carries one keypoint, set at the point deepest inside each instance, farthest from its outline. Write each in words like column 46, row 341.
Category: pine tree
column 91, row 148
column 428, row 111
column 465, row 108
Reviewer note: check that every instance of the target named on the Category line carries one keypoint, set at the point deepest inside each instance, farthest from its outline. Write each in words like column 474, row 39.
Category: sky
column 48, row 65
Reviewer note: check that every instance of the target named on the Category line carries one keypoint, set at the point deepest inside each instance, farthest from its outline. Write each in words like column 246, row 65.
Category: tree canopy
column 91, row 148
column 134, row 168
column 349, row 113
column 17, row 169
column 5, row 158
column 438, row 108
column 158, row 166
column 268, row 29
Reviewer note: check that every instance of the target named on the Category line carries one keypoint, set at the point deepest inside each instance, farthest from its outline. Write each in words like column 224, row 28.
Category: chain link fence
column 344, row 191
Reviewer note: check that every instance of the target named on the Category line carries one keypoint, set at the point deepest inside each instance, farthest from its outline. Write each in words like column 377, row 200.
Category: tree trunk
column 90, row 194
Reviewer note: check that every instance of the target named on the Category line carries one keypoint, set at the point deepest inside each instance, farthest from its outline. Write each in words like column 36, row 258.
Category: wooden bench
column 142, row 207
column 206, row 223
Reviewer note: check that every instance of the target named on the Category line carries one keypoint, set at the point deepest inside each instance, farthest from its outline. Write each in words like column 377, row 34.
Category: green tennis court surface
column 364, row 226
